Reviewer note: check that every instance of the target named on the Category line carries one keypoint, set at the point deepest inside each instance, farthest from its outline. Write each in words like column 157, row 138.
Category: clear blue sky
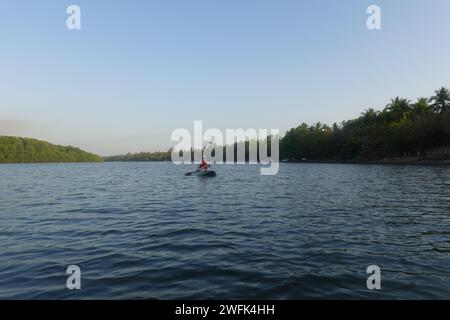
column 139, row 69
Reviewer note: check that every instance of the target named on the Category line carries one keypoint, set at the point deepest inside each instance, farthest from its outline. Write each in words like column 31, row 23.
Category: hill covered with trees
column 25, row 150
column 403, row 128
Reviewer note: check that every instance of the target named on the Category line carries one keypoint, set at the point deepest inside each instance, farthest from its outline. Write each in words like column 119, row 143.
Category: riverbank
column 398, row 161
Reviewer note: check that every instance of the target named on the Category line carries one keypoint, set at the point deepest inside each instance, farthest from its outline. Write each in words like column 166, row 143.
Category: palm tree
column 441, row 100
column 422, row 106
column 370, row 113
column 398, row 108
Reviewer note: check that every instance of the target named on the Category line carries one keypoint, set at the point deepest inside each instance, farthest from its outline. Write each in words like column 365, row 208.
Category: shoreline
column 393, row 161
column 416, row 162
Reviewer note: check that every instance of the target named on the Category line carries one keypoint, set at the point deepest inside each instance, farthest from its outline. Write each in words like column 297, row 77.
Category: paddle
column 190, row 173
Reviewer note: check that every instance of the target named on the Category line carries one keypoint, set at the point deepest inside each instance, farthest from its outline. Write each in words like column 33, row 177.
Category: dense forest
column 402, row 129
column 25, row 150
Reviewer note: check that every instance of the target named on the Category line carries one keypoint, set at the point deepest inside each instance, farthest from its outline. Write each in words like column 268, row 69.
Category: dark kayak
column 199, row 173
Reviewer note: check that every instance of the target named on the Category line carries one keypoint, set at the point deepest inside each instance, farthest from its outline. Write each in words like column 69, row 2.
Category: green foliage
column 401, row 129
column 25, row 150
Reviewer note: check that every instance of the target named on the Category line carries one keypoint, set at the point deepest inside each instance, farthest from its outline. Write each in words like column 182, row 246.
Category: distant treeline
column 401, row 129
column 25, row 150
column 167, row 156
column 141, row 156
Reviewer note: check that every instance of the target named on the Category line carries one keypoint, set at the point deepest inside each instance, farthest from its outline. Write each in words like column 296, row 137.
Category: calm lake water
column 144, row 230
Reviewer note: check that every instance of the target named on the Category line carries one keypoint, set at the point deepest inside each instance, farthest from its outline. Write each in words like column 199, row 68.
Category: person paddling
column 203, row 165
column 203, row 169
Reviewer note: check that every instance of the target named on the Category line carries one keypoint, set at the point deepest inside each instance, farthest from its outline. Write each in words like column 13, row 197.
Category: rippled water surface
column 144, row 230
